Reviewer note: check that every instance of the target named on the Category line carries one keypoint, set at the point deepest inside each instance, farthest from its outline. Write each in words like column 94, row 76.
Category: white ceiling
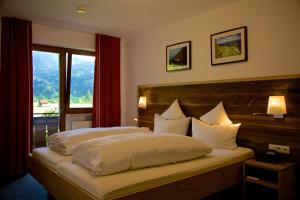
column 115, row 17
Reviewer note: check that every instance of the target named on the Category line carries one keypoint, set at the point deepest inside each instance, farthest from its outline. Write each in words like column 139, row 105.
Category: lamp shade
column 276, row 105
column 142, row 102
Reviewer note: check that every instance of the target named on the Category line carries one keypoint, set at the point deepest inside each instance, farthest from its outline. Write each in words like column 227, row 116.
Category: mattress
column 120, row 184
column 49, row 157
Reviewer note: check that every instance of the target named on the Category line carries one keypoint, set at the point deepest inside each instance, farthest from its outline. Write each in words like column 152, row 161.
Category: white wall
column 273, row 46
column 53, row 36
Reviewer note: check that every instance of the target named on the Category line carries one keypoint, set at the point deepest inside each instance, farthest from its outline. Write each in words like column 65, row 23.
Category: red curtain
column 16, row 95
column 106, row 99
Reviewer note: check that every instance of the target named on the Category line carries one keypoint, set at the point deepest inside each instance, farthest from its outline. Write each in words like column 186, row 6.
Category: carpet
column 25, row 187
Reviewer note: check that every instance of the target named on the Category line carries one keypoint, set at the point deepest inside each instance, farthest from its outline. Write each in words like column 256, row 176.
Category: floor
column 23, row 188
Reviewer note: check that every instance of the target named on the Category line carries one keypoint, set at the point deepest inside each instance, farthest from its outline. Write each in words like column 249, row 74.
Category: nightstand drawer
column 257, row 174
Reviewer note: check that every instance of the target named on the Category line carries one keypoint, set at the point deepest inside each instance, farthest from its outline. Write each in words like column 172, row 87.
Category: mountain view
column 46, row 81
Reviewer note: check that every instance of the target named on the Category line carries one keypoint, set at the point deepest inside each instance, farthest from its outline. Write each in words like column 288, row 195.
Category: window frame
column 68, row 82
column 65, row 69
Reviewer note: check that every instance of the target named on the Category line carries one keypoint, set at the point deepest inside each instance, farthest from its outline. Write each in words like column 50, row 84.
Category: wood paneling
column 241, row 99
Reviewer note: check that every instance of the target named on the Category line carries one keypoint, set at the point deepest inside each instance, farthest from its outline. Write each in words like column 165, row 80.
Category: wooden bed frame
column 191, row 188
column 241, row 99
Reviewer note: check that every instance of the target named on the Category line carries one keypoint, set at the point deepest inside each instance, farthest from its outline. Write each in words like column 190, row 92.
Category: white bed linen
column 118, row 153
column 116, row 185
column 51, row 158
column 63, row 142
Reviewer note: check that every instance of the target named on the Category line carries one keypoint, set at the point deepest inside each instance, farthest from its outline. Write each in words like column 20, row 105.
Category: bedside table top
column 270, row 166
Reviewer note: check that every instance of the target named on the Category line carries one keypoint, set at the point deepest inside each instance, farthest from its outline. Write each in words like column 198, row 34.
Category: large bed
column 195, row 179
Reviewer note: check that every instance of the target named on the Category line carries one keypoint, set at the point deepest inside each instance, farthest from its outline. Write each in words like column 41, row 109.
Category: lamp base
column 278, row 116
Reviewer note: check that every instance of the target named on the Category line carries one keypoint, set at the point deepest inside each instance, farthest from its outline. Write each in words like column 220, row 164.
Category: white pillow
column 216, row 116
column 173, row 112
column 215, row 136
column 175, row 126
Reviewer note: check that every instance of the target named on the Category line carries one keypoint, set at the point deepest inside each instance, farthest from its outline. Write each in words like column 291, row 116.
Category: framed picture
column 229, row 46
column 178, row 56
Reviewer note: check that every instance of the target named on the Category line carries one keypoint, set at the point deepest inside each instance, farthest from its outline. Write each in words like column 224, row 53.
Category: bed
column 193, row 179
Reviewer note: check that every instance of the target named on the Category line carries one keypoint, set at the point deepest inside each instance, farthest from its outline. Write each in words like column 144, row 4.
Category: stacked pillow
column 216, row 116
column 213, row 128
column 171, row 121
column 216, row 129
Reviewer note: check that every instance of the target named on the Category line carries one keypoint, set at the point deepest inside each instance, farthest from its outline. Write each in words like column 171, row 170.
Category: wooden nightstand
column 268, row 181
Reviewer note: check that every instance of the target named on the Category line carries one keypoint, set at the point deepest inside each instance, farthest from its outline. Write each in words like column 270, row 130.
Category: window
column 46, row 95
column 81, row 81
column 63, row 81
column 45, row 83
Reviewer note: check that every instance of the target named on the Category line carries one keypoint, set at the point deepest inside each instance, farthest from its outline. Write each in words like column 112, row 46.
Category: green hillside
column 46, row 78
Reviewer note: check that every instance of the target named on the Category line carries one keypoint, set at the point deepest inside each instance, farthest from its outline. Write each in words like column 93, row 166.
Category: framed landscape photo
column 229, row 46
column 178, row 56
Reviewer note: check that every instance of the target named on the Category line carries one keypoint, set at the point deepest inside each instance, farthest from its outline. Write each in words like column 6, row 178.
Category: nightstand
column 263, row 180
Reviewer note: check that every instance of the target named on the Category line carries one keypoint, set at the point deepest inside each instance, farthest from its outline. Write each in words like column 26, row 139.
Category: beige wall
column 273, row 41
column 53, row 36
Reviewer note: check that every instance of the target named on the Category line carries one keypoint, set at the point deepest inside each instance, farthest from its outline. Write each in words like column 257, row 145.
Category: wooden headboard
column 241, row 99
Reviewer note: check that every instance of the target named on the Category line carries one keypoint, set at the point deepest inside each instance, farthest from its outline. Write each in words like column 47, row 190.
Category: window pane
column 45, row 83
column 45, row 96
column 82, row 81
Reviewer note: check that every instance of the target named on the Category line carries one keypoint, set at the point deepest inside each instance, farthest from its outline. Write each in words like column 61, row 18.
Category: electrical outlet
column 280, row 148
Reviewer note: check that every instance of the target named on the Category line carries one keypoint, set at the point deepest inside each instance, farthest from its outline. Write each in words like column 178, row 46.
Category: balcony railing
column 44, row 124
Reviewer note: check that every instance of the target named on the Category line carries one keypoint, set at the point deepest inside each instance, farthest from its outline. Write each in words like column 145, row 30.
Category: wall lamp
column 142, row 102
column 276, row 107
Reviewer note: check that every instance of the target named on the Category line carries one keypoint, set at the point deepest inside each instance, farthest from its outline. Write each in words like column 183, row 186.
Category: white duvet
column 63, row 142
column 112, row 154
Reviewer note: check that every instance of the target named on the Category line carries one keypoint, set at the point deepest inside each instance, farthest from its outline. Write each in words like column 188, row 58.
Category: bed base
column 191, row 188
